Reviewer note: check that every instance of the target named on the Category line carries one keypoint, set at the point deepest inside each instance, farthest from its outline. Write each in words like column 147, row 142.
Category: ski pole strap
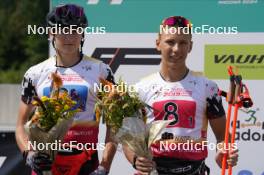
column 231, row 93
column 238, row 88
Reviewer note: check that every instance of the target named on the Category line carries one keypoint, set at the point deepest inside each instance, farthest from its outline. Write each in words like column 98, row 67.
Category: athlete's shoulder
column 201, row 77
column 37, row 69
column 210, row 86
column 103, row 69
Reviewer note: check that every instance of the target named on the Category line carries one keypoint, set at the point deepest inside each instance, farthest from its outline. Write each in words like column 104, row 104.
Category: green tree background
column 18, row 49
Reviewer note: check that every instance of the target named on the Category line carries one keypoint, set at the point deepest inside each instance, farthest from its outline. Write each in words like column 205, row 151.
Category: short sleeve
column 214, row 105
column 107, row 73
column 28, row 86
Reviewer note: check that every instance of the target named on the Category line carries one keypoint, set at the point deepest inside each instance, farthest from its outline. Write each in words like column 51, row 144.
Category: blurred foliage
column 18, row 49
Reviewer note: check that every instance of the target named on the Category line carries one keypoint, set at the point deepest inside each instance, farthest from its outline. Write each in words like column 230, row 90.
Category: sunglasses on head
column 69, row 9
column 176, row 21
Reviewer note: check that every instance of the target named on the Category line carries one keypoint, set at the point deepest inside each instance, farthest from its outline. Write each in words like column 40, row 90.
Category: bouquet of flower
column 117, row 103
column 125, row 114
column 52, row 118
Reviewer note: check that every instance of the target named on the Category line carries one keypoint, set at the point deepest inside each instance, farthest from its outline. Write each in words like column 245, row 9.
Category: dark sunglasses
column 65, row 10
column 177, row 21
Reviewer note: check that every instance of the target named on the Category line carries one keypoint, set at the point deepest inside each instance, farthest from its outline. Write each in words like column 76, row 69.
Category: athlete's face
column 174, row 48
column 68, row 43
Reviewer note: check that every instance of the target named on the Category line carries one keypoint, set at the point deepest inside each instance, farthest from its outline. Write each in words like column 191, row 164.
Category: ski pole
column 230, row 99
column 238, row 104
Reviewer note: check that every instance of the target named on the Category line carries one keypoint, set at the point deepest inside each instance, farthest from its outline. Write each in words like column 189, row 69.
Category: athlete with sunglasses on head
column 79, row 73
column 189, row 100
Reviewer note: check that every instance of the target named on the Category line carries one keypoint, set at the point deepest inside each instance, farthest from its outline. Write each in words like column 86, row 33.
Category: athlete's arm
column 216, row 115
column 109, row 151
column 218, row 127
column 21, row 136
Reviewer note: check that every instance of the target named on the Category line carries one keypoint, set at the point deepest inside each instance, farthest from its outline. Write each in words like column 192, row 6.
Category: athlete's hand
column 143, row 165
column 37, row 161
column 232, row 157
column 100, row 171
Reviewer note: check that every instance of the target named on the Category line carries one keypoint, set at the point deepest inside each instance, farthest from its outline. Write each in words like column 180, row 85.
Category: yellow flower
column 35, row 103
column 44, row 98
column 66, row 107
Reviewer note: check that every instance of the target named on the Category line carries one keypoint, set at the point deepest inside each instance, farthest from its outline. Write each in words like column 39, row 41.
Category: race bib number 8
column 181, row 112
